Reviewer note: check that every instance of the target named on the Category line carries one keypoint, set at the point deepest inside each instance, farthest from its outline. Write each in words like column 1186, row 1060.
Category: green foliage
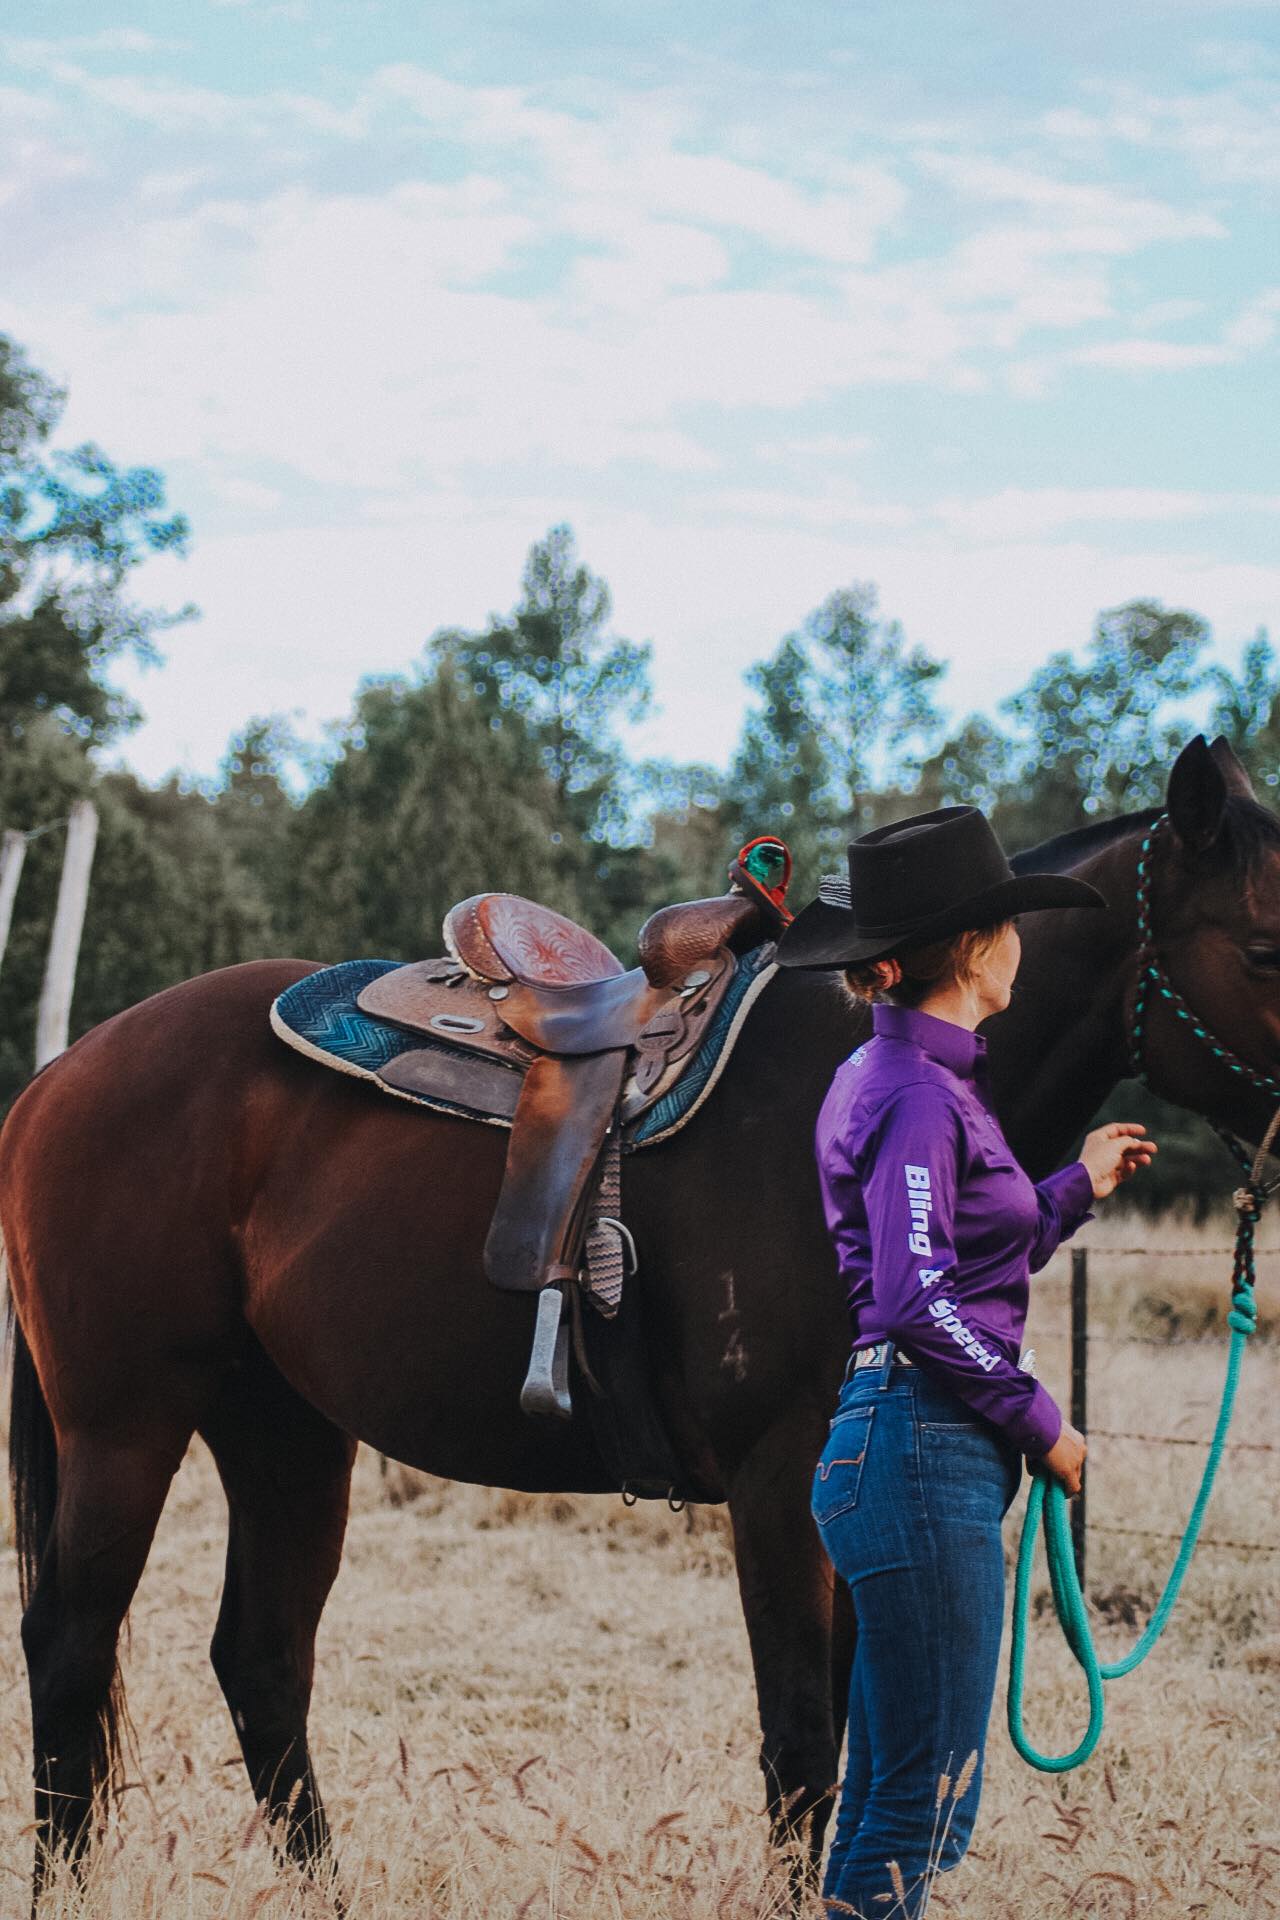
column 1091, row 735
column 1099, row 734
column 843, row 707
column 553, row 667
column 167, row 900
column 976, row 767
column 72, row 527
column 1248, row 712
column 425, row 802
column 256, row 808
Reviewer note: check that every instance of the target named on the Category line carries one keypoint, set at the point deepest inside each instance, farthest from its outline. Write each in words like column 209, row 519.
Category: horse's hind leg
column 286, row 1472
column 786, row 1582
column 109, row 1499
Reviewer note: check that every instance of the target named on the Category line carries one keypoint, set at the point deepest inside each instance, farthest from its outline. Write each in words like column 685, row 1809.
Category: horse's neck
column 1055, row 1055
column 1062, row 1046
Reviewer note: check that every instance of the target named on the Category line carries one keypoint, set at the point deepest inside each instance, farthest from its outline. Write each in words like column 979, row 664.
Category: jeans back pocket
column 971, row 1473
column 838, row 1475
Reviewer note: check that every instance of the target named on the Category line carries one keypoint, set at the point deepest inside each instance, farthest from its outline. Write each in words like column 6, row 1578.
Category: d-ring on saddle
column 548, row 1013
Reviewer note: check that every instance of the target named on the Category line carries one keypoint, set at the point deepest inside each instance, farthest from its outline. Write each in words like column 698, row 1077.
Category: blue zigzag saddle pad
column 479, row 1078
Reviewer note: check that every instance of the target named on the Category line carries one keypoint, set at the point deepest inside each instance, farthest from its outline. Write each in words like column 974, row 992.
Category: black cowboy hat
column 922, row 879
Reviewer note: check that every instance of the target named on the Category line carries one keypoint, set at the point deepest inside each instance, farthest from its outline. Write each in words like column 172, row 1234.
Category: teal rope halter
column 1047, row 1503
column 1151, row 973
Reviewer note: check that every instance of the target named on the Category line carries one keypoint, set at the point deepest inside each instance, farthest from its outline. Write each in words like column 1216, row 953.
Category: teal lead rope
column 1047, row 1503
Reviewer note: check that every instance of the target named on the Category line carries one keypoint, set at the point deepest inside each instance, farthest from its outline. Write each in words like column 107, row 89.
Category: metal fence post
column 1079, row 1388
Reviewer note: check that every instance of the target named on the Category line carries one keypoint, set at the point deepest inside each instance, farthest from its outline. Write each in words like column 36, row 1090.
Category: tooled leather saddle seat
column 533, row 1019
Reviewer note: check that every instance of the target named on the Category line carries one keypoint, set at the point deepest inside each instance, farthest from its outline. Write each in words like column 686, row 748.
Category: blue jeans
column 908, row 1496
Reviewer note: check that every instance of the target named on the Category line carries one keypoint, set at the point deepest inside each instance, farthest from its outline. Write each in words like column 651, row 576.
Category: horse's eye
column 1264, row 957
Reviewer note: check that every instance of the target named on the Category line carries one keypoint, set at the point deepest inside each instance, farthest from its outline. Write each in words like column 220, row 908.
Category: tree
column 256, row 806
column 1247, row 710
column 844, row 708
column 426, row 801
column 553, row 665
column 73, row 526
column 974, row 767
column 1097, row 736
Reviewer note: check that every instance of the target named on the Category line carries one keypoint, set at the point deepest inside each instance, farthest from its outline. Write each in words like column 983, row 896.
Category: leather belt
column 875, row 1356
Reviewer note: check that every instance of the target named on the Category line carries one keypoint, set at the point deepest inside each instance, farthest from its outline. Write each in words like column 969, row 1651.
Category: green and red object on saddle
column 763, row 868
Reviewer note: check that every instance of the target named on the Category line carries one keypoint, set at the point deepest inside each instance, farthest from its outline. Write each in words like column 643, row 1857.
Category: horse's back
column 180, row 1182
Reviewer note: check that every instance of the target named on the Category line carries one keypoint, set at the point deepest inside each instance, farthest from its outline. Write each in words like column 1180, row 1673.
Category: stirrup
column 545, row 1392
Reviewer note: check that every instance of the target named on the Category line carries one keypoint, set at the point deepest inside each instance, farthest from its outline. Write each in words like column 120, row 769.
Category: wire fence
column 1083, row 1339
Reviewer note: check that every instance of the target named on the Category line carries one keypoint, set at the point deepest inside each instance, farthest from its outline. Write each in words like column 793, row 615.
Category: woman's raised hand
column 1113, row 1154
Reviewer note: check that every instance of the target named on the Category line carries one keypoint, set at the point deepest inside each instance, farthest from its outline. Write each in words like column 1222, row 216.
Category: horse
column 207, row 1234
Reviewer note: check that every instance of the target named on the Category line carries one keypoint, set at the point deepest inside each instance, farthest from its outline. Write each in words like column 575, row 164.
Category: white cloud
column 1251, row 331
column 1100, row 218
column 1018, row 513
column 1150, row 356
column 356, row 330
column 173, row 185
column 633, row 161
column 253, row 494
column 651, row 258
column 818, row 447
column 30, row 51
column 15, row 104
column 1256, row 325
column 1229, row 134
column 834, row 508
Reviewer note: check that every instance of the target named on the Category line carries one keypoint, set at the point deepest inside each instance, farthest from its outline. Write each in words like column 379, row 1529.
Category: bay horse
column 208, row 1234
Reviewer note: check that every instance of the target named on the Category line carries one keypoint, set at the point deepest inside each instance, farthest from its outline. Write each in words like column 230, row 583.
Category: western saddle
column 532, row 1020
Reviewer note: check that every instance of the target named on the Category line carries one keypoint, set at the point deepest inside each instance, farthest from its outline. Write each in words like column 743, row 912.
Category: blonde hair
column 909, row 977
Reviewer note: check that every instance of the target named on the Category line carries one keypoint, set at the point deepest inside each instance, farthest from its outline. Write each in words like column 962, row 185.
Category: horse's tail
column 33, row 1479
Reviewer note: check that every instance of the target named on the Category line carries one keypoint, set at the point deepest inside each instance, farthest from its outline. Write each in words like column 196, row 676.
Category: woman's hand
column 1113, row 1154
column 1065, row 1458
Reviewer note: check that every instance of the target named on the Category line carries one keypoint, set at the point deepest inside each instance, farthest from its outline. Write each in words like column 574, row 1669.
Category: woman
column 936, row 1227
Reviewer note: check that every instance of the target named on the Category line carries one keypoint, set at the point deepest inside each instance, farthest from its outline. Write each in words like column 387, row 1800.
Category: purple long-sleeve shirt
column 935, row 1224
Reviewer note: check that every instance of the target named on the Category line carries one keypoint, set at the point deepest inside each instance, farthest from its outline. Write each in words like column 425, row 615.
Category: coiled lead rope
column 1047, row 1512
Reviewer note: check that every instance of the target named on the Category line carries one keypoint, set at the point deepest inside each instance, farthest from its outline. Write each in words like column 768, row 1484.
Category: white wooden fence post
column 13, row 851
column 53, row 1021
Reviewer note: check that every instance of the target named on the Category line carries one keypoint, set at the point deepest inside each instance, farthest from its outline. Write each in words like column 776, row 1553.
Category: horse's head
column 1208, row 987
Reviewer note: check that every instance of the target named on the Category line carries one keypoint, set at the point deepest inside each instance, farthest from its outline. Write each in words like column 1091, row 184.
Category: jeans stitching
column 825, row 1468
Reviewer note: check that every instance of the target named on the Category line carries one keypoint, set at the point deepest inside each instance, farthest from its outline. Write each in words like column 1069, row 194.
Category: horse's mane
column 1067, row 850
column 1251, row 830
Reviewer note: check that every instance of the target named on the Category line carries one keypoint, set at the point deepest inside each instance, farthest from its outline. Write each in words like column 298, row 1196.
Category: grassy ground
column 544, row 1708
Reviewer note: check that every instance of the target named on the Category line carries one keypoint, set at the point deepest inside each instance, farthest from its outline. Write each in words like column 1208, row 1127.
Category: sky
column 978, row 302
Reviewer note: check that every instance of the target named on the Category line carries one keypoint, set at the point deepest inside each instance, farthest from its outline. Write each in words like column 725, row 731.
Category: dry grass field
column 544, row 1707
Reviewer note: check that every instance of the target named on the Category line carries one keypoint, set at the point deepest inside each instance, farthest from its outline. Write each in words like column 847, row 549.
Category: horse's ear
column 1231, row 769
column 1197, row 796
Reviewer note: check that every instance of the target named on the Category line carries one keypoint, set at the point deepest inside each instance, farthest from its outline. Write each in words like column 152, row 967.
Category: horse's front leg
column 786, row 1582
